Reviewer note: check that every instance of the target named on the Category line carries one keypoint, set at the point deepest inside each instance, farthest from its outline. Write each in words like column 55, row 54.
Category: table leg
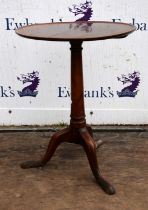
column 90, row 149
column 78, row 132
column 56, row 140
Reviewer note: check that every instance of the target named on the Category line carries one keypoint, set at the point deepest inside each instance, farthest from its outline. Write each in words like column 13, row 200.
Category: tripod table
column 78, row 131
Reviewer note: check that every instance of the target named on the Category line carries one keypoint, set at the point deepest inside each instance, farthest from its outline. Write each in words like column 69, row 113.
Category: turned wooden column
column 77, row 89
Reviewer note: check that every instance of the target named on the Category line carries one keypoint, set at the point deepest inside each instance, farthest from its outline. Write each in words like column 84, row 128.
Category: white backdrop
column 110, row 66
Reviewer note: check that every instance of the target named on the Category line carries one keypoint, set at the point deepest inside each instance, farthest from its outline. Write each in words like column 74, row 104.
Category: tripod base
column 82, row 136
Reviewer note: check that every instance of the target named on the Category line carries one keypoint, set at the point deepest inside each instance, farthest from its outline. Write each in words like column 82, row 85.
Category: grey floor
column 67, row 183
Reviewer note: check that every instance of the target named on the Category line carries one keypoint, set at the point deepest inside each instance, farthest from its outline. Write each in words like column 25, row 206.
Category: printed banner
column 35, row 75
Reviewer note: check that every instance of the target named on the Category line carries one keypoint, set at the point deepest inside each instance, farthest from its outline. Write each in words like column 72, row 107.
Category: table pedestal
column 78, row 132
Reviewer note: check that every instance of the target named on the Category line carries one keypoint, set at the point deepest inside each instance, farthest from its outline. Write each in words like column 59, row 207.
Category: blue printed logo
column 83, row 10
column 31, row 89
column 132, row 82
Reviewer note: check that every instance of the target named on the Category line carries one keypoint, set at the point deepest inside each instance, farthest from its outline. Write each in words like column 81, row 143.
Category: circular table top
column 69, row 31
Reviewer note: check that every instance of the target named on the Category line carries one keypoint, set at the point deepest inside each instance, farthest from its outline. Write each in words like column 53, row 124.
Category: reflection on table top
column 85, row 31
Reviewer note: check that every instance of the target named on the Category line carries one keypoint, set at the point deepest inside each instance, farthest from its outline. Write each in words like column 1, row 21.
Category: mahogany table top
column 69, row 31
